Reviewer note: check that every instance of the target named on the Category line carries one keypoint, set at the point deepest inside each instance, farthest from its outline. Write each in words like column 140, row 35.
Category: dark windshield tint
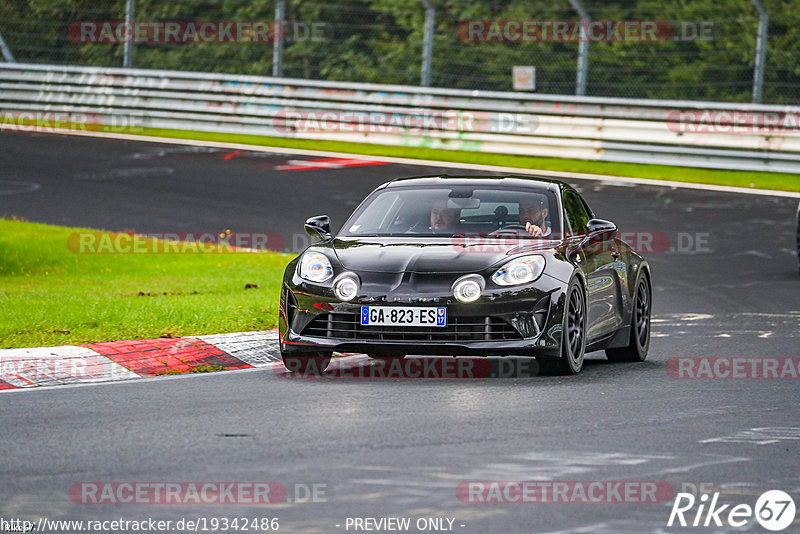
column 451, row 211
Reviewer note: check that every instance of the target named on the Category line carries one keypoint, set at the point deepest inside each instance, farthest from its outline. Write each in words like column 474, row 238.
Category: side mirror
column 599, row 225
column 319, row 226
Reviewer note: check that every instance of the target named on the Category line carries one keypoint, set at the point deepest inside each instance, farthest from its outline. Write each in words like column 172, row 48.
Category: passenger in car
column 443, row 218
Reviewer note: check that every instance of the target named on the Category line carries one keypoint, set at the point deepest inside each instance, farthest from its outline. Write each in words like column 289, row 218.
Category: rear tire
column 313, row 364
column 573, row 335
column 639, row 341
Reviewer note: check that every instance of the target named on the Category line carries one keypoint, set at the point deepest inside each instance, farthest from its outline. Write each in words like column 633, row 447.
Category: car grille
column 348, row 326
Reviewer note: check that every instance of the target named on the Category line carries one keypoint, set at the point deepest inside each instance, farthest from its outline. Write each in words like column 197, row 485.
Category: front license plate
column 402, row 316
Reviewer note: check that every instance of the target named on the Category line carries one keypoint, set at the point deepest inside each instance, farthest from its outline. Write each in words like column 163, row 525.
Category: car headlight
column 315, row 266
column 518, row 271
column 346, row 287
column 468, row 289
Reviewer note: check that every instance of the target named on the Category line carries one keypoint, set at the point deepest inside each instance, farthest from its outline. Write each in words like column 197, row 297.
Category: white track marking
column 8, row 187
column 52, row 366
column 759, row 436
column 73, row 366
column 255, row 348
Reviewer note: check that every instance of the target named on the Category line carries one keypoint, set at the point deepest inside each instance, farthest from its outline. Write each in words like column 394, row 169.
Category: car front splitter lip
column 294, row 343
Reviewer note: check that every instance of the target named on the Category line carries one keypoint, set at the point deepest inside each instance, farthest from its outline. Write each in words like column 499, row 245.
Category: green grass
column 749, row 179
column 50, row 295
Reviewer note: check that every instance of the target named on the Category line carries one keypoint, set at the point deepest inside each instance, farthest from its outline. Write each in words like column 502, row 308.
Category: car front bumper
column 525, row 322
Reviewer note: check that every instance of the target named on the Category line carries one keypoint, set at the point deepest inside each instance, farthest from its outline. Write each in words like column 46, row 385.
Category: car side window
column 576, row 212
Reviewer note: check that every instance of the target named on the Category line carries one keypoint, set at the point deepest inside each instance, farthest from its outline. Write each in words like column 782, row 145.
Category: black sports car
column 467, row 266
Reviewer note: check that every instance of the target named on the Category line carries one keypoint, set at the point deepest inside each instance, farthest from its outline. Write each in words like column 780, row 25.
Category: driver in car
column 443, row 218
column 533, row 214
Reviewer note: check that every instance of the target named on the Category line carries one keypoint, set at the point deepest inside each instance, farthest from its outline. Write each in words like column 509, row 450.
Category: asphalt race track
column 725, row 284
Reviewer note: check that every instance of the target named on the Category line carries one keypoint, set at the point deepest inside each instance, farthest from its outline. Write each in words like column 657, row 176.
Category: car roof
column 523, row 182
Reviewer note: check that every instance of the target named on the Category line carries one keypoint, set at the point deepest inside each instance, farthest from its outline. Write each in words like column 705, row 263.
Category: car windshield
column 456, row 210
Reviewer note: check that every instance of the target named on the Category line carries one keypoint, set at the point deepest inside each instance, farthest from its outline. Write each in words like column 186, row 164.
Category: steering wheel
column 512, row 226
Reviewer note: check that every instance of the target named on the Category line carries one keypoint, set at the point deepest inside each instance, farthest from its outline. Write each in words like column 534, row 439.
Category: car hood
column 429, row 255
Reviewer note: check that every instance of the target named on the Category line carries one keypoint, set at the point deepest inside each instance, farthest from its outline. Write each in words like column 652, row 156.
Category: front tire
column 573, row 334
column 639, row 343
column 314, row 363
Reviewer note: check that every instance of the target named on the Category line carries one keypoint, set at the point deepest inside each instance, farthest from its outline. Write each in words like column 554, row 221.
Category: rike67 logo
column 774, row 510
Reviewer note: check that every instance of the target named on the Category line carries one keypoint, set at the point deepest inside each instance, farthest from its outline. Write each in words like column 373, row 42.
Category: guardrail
column 689, row 133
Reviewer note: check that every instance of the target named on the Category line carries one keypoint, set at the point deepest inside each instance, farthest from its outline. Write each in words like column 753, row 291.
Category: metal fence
column 720, row 50
column 703, row 134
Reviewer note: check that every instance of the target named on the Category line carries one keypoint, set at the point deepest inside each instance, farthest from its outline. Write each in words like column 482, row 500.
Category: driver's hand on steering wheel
column 532, row 229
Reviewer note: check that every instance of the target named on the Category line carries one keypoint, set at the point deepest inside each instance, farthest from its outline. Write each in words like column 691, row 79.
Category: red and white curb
column 124, row 360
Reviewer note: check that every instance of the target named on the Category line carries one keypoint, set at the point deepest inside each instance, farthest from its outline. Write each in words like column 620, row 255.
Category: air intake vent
column 348, row 326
